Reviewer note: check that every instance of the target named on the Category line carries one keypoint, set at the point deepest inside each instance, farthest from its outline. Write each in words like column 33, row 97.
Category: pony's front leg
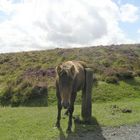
column 71, row 109
column 59, row 106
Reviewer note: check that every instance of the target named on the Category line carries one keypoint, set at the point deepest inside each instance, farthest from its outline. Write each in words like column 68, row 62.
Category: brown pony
column 70, row 79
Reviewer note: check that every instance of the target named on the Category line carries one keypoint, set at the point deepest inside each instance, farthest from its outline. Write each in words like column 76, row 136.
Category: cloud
column 36, row 24
column 138, row 31
column 129, row 13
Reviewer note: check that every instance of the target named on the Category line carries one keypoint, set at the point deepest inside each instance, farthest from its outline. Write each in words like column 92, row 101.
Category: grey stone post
column 87, row 96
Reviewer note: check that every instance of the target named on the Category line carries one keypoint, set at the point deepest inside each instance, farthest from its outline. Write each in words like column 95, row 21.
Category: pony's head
column 66, row 76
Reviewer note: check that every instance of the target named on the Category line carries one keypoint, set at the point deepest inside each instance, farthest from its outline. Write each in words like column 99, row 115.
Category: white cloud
column 40, row 24
column 138, row 31
column 129, row 13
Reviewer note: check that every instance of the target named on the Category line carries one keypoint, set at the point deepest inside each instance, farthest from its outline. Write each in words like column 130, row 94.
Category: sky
column 46, row 24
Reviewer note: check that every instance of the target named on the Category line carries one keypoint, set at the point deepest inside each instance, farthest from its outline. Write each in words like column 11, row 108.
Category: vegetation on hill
column 28, row 78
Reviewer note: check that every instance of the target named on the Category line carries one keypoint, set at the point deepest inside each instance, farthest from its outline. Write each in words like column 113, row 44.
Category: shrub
column 23, row 93
column 6, row 96
column 105, row 63
column 112, row 79
column 138, row 73
column 38, row 92
column 110, row 72
column 25, row 84
column 123, row 74
column 16, row 99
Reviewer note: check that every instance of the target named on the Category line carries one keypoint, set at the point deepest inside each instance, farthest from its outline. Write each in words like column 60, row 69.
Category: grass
column 112, row 92
column 37, row 123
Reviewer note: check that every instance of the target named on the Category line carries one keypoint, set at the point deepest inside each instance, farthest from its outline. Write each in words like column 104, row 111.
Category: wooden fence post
column 86, row 96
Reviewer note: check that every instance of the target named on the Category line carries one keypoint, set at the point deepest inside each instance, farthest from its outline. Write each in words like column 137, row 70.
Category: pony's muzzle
column 65, row 104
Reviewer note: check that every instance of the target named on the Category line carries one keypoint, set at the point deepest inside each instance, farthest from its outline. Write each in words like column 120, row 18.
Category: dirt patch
column 106, row 133
column 122, row 133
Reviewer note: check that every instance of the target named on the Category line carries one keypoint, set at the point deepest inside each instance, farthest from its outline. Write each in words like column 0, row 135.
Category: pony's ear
column 58, row 69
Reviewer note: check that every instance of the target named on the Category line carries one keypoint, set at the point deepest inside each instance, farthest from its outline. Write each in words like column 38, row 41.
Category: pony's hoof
column 68, row 130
